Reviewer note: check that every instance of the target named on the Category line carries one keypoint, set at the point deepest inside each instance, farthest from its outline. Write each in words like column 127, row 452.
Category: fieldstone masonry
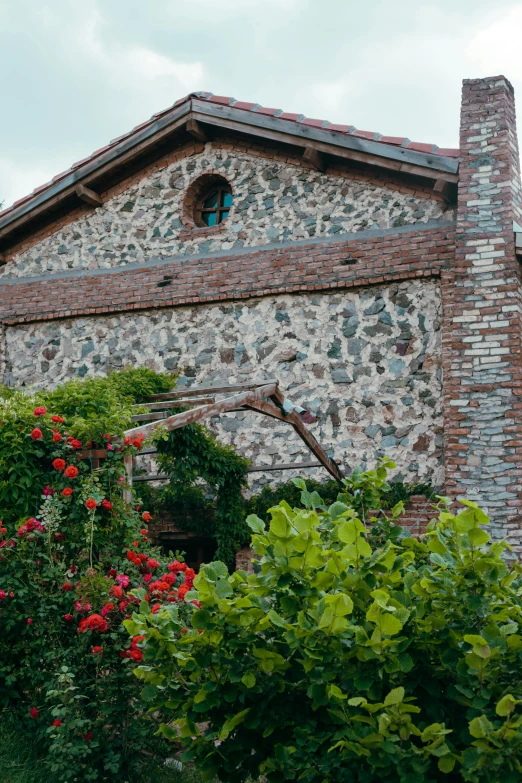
column 368, row 363
column 393, row 315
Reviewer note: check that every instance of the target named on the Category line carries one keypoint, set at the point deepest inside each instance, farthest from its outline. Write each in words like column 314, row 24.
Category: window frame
column 222, row 190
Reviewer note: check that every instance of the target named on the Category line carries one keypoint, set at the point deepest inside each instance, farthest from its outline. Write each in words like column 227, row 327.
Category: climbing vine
column 205, row 490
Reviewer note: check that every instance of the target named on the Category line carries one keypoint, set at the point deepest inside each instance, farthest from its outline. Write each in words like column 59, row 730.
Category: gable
column 277, row 198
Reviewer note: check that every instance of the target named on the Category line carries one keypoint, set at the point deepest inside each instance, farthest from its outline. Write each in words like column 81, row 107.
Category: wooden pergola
column 265, row 398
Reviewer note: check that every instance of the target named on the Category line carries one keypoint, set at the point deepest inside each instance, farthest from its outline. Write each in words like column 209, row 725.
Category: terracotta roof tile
column 371, row 135
column 255, row 108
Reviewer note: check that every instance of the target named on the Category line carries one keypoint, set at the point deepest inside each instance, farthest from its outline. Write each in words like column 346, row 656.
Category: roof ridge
column 255, row 108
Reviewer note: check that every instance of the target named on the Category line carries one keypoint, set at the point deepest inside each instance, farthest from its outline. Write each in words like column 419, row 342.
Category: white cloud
column 17, row 181
column 495, row 49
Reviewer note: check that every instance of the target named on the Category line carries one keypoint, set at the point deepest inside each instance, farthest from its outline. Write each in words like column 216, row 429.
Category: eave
column 201, row 119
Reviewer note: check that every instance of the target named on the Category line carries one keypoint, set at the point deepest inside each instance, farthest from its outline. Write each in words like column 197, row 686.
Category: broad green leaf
column 255, row 524
column 506, row 705
column 395, row 696
column 446, row 763
column 389, row 625
column 248, row 680
column 478, row 537
column 480, row 727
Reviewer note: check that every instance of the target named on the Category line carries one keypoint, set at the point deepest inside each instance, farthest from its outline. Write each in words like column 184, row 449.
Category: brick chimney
column 482, row 336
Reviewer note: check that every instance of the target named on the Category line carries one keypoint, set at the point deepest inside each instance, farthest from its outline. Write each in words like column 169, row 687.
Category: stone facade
column 273, row 201
column 367, row 363
column 387, row 309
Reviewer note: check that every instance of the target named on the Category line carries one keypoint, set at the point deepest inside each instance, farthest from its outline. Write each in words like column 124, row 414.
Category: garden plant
column 352, row 653
column 71, row 552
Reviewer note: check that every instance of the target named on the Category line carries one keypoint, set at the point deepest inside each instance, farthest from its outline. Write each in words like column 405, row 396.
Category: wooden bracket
column 314, row 158
column 197, row 131
column 444, row 189
column 88, row 195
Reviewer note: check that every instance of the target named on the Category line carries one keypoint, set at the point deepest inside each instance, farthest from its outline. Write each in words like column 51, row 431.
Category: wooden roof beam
column 89, row 196
column 197, row 131
column 314, row 158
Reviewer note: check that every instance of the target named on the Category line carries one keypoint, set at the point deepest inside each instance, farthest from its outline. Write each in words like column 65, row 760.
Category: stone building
column 376, row 278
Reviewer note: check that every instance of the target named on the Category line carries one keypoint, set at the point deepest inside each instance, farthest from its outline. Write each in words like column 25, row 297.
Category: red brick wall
column 278, row 270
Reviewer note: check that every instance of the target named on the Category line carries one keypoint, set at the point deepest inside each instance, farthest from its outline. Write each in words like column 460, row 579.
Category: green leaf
column 255, row 524
column 389, row 625
column 149, row 692
column 506, row 705
column 248, row 680
column 395, row 696
column 446, row 763
column 478, row 537
column 276, row 619
column 480, row 727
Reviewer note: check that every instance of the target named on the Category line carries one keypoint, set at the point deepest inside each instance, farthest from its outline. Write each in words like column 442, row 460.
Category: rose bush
column 354, row 654
column 72, row 554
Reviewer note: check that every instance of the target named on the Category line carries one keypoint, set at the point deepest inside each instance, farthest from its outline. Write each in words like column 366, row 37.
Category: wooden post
column 127, row 493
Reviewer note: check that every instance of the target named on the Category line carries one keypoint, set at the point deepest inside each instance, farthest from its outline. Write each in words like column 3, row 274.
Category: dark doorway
column 196, row 549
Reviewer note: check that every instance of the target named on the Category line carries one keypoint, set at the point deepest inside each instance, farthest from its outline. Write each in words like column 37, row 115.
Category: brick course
column 197, row 280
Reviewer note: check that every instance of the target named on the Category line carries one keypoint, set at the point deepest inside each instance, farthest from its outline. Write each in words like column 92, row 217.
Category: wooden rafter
column 265, row 398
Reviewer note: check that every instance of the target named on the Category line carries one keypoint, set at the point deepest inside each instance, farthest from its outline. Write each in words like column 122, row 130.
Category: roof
column 251, row 113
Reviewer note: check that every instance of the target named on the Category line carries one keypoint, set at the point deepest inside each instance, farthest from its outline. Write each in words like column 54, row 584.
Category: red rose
column 57, row 437
column 88, row 737
column 93, row 623
column 36, row 434
column 122, row 606
column 67, row 492
column 76, row 444
column 71, row 471
column 97, row 650
column 29, row 621
column 68, row 617
column 33, row 712
column 91, row 503
column 127, row 441
column 57, row 722
column 146, row 516
column 66, row 587
column 106, row 504
column 143, row 532
column 135, row 543
column 182, row 591
column 57, row 419
column 147, row 577
column 152, row 564
column 136, row 655
column 117, row 591
column 175, row 567
column 155, row 609
column 59, row 464
column 40, row 411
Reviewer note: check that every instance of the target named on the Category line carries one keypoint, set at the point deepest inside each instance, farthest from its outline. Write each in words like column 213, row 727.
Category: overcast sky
column 76, row 74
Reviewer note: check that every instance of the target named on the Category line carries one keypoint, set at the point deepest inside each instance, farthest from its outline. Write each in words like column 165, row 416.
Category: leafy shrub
column 95, row 406
column 343, row 659
column 71, row 555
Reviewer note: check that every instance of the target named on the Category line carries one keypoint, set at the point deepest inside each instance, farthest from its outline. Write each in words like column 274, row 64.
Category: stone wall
column 274, row 200
column 366, row 362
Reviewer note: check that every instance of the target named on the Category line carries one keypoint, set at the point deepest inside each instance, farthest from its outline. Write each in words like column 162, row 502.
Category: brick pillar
column 482, row 332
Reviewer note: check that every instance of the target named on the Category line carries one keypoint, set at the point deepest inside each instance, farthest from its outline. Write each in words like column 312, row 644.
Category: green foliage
column 389, row 494
column 95, row 406
column 352, row 655
column 68, row 576
column 216, row 507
